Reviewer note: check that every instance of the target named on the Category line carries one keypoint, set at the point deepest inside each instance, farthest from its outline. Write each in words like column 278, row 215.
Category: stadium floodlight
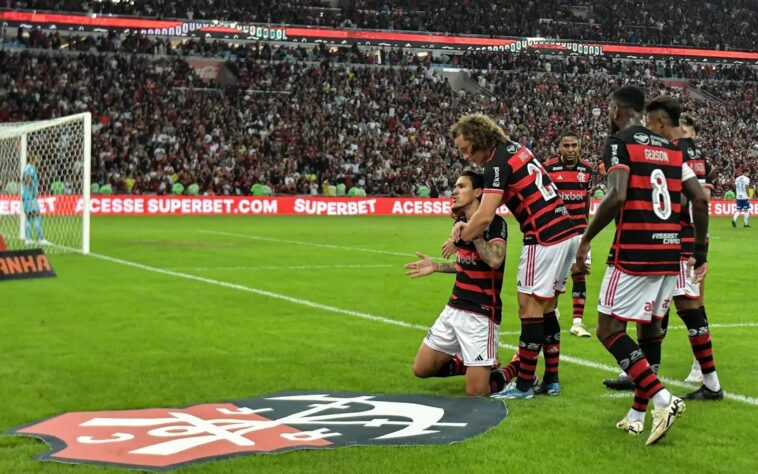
column 45, row 167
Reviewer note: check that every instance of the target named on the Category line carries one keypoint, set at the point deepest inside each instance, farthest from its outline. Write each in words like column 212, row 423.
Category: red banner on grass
column 276, row 205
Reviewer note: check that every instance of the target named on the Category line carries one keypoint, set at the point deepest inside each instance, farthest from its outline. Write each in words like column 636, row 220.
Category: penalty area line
column 376, row 318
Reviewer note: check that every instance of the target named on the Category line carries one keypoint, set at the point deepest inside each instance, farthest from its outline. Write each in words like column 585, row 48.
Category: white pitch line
column 564, row 329
column 628, row 395
column 379, row 319
column 308, row 244
column 723, row 325
column 283, row 267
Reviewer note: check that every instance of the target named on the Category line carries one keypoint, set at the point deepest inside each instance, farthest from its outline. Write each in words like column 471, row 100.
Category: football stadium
column 451, row 235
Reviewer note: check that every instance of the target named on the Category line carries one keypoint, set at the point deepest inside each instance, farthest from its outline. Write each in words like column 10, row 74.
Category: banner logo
column 22, row 264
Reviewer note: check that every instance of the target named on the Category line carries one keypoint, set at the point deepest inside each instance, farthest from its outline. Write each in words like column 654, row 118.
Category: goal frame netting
column 62, row 149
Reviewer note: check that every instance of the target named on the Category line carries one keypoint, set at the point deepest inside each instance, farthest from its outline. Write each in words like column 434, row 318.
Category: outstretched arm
column 426, row 266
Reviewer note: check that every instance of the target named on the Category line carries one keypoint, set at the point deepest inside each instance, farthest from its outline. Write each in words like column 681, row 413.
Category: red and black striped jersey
column 573, row 183
column 695, row 159
column 525, row 187
column 477, row 286
column 647, row 227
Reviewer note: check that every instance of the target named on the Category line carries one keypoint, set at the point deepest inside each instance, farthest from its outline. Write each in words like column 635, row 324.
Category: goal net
column 45, row 184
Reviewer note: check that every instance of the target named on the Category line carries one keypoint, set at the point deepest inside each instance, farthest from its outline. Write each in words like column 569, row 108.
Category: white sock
column 695, row 366
column 577, row 321
column 662, row 399
column 734, row 217
column 747, row 216
column 635, row 415
column 712, row 381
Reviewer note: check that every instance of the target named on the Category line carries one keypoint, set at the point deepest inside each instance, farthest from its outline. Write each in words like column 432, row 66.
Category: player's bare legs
column 478, row 381
column 433, row 363
column 429, row 363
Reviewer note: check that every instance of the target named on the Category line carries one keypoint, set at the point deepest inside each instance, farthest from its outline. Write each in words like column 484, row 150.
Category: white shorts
column 543, row 270
column 637, row 298
column 684, row 284
column 472, row 335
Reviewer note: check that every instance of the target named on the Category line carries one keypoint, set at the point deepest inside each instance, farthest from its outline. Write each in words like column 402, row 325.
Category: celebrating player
column 663, row 115
column 646, row 176
column 513, row 176
column 469, row 324
column 572, row 176
column 688, row 129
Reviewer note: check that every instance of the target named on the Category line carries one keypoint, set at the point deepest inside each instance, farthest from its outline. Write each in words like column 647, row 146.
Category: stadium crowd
column 295, row 126
column 720, row 24
column 524, row 61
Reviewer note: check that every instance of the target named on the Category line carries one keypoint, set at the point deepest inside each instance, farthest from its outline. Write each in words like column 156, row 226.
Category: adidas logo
column 560, row 177
column 479, row 358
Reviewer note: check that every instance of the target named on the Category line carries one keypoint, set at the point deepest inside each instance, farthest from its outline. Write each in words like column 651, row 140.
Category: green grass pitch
column 105, row 335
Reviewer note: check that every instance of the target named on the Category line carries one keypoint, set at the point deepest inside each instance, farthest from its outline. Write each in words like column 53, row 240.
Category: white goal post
column 45, row 171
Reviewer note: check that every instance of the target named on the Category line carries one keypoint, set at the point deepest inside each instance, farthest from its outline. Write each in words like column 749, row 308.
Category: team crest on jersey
column 642, row 138
column 164, row 438
column 581, row 177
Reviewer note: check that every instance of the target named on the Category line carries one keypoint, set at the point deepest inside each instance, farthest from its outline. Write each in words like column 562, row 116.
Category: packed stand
column 718, row 24
column 155, row 127
column 734, row 148
column 306, row 12
column 662, row 69
column 297, row 127
column 136, row 43
column 546, row 104
column 477, row 60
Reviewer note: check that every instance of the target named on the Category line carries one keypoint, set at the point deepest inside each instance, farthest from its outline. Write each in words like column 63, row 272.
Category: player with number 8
column 646, row 176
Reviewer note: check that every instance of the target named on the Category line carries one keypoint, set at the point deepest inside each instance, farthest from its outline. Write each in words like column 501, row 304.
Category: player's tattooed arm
column 492, row 253
column 444, row 267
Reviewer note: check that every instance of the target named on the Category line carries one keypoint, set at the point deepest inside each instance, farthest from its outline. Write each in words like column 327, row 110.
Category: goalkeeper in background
column 29, row 194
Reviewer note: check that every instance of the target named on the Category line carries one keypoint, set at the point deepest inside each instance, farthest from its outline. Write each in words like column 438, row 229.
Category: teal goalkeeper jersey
column 29, row 192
